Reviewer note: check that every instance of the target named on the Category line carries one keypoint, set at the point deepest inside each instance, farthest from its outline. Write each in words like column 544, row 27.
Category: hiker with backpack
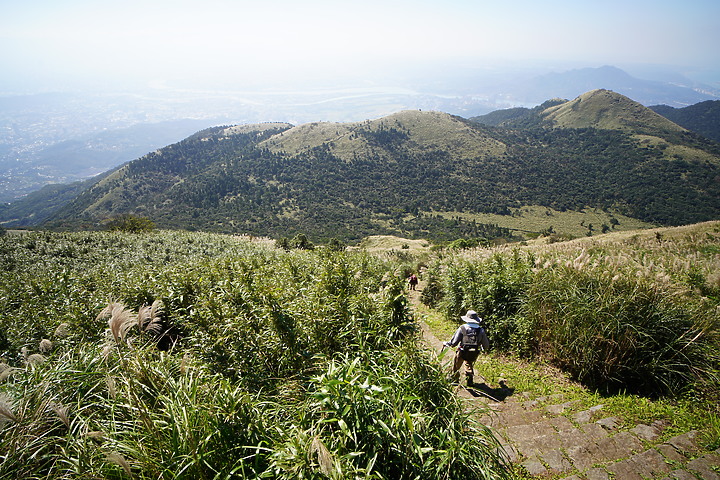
column 471, row 339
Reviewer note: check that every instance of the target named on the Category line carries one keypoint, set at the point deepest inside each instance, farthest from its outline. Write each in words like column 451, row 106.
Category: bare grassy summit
column 607, row 110
column 412, row 128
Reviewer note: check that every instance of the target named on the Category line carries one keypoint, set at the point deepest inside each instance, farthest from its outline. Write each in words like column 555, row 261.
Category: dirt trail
column 553, row 438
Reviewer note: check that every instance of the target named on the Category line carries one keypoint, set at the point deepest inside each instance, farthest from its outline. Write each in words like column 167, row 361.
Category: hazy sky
column 152, row 42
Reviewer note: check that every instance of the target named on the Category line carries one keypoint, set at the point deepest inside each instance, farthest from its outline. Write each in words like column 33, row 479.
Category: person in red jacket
column 413, row 281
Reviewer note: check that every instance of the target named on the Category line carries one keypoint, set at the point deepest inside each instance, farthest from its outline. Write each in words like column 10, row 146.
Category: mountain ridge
column 416, row 174
column 702, row 118
column 422, row 128
column 60, row 138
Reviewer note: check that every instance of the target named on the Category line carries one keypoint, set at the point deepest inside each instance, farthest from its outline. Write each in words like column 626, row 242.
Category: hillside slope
column 703, row 117
column 416, row 174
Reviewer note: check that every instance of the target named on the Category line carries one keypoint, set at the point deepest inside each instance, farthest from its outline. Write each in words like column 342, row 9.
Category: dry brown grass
column 385, row 243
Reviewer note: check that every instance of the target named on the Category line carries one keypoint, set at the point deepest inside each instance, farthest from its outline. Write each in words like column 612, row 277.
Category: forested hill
column 703, row 117
column 416, row 174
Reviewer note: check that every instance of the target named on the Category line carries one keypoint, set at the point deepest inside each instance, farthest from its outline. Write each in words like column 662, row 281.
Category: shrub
column 493, row 287
column 131, row 224
column 620, row 333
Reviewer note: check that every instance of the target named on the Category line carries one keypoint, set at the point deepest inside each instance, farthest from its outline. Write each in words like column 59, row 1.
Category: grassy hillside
column 609, row 111
column 533, row 219
column 421, row 175
column 634, row 311
column 176, row 355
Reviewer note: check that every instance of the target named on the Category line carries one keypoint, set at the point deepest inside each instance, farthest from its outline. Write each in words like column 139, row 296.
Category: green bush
column 117, row 413
column 620, row 333
column 494, row 288
column 131, row 224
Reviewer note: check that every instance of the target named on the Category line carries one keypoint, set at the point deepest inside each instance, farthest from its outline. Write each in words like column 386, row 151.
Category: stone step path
column 551, row 437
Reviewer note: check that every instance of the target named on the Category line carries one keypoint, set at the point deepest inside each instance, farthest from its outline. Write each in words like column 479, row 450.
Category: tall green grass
column 634, row 313
column 140, row 413
column 278, row 365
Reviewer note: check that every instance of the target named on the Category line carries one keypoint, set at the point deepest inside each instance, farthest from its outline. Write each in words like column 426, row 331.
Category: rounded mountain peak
column 607, row 110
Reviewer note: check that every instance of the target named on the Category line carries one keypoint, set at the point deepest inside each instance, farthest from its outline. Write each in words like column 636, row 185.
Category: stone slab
column 561, row 424
column 517, row 432
column 586, row 416
column 509, row 452
column 597, row 474
column 509, row 419
column 580, row 457
column 556, row 461
column 687, row 442
column 648, row 433
column 534, row 467
column 605, row 450
column 680, row 475
column 706, row 466
column 532, row 416
column 609, row 423
column 624, row 469
column 594, row 430
column 559, row 409
column 571, row 438
column 650, row 464
column 671, row 453
column 627, row 444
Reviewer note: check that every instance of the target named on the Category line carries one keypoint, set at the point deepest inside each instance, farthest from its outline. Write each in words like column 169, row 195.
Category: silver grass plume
column 149, row 318
column 5, row 371
column 62, row 413
column 62, row 330
column 120, row 320
column 6, row 413
column 111, row 386
column 324, row 457
column 96, row 435
column 107, row 351
column 118, row 459
column 45, row 345
column 35, row 359
column 184, row 364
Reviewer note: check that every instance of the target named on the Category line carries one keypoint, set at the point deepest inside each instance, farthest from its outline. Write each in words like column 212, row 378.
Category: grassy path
column 550, row 427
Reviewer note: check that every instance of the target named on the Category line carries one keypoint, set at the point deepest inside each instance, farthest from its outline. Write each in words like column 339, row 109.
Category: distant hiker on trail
column 413, row 281
column 472, row 339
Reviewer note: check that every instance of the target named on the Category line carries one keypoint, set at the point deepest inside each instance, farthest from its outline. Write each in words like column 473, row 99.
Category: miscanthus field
column 189, row 355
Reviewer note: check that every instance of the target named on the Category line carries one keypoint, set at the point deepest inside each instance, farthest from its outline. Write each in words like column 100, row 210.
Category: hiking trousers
column 465, row 358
